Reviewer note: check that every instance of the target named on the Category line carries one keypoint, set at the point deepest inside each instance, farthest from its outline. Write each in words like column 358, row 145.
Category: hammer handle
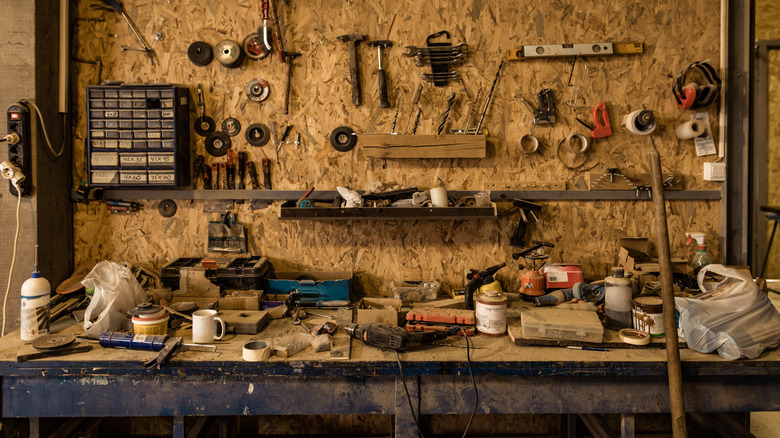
column 354, row 74
column 383, row 100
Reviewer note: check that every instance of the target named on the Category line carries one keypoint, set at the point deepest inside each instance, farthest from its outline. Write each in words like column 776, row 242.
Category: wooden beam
column 423, row 146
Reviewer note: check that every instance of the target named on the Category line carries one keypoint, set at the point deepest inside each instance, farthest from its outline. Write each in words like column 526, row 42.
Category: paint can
column 491, row 313
column 648, row 313
column 149, row 319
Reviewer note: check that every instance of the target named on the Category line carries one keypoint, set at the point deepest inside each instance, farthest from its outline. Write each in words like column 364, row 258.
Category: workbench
column 510, row 379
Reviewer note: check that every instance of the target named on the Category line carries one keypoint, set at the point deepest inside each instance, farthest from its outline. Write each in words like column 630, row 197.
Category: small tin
column 648, row 314
column 491, row 313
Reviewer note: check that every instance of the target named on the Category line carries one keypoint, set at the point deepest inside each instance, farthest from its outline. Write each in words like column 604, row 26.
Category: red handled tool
column 603, row 128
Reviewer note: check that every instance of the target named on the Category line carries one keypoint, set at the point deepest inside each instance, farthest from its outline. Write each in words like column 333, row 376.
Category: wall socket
column 20, row 154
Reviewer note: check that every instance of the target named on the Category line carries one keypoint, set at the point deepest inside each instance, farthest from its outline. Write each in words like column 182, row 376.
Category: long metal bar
column 674, row 366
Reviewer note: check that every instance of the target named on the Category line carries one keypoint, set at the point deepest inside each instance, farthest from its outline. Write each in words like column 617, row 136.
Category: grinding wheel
column 254, row 48
column 205, row 125
column 343, row 138
column 231, row 126
column 257, row 90
column 217, row 144
column 257, row 134
column 229, row 53
column 167, row 208
column 200, row 53
column 50, row 342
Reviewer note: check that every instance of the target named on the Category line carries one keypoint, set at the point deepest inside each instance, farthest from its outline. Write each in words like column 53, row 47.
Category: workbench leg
column 35, row 427
column 178, row 426
column 627, row 425
column 405, row 424
column 568, row 426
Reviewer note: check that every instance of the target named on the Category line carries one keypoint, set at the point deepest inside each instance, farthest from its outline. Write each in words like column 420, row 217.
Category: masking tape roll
column 689, row 130
column 256, row 351
column 583, row 143
column 534, row 143
column 634, row 336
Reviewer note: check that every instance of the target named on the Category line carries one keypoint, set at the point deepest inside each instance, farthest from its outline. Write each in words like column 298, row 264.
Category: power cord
column 473, row 381
column 43, row 126
column 13, row 258
column 408, row 397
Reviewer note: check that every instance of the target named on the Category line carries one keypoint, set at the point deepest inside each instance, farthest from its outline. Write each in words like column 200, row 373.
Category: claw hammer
column 382, row 44
column 353, row 39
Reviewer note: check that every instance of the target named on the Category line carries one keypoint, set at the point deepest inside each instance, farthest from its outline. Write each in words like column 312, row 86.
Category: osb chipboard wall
column 378, row 251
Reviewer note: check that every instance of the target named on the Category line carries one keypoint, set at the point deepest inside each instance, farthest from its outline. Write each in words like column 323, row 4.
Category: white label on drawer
column 98, row 143
column 103, row 176
column 111, row 114
column 166, row 113
column 132, row 160
column 104, row 158
column 132, row 177
column 161, row 178
column 161, row 159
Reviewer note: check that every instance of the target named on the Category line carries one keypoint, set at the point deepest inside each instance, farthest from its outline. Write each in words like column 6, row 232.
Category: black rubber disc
column 231, row 126
column 343, row 139
column 204, row 126
column 257, row 134
column 254, row 48
column 217, row 144
column 200, row 53
column 50, row 342
column 167, row 208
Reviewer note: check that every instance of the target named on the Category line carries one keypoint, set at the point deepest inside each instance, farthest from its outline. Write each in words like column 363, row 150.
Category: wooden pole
column 674, row 368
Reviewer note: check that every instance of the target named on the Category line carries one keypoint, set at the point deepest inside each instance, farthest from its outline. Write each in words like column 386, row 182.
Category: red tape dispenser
column 603, row 128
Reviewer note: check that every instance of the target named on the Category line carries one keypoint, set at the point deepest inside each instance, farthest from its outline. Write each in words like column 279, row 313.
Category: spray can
column 36, row 296
column 617, row 300
column 702, row 257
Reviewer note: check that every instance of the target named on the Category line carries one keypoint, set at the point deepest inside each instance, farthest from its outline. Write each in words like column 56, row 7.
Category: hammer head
column 351, row 37
column 380, row 43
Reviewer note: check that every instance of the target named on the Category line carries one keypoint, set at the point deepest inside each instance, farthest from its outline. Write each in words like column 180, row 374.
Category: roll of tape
column 529, row 140
column 583, row 143
column 634, row 336
column 689, row 130
column 256, row 351
column 640, row 122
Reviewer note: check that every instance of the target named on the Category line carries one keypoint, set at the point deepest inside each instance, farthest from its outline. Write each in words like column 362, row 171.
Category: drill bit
column 415, row 100
column 490, row 96
column 416, row 121
column 471, row 113
column 450, row 104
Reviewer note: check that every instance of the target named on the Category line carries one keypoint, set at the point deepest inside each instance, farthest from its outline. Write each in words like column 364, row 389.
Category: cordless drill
column 396, row 338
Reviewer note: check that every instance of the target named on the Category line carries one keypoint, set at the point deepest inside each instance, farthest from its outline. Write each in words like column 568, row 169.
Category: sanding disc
column 258, row 134
column 205, row 125
column 254, row 48
column 200, row 53
column 257, row 90
column 343, row 139
column 217, row 144
column 50, row 342
column 231, row 126
column 634, row 336
column 167, row 208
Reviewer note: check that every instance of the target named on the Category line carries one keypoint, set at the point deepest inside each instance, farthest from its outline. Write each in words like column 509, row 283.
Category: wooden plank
column 423, row 146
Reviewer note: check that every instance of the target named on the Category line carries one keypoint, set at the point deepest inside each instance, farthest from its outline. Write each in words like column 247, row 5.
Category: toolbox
column 240, row 273
column 313, row 286
column 138, row 136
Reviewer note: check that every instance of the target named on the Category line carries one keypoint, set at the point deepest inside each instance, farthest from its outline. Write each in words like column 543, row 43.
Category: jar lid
column 618, row 272
column 145, row 310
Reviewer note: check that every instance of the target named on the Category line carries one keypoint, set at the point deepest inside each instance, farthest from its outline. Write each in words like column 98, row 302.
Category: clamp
column 171, row 347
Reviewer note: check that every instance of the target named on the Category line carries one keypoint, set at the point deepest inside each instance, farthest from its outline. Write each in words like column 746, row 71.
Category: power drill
column 396, row 338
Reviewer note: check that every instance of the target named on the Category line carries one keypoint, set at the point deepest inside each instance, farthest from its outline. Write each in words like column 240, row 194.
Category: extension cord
column 12, row 138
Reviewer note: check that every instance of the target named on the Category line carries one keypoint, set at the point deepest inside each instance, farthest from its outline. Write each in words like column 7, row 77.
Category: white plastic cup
column 439, row 197
column 204, row 326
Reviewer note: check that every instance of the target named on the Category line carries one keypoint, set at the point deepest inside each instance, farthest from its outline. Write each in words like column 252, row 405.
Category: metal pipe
column 674, row 368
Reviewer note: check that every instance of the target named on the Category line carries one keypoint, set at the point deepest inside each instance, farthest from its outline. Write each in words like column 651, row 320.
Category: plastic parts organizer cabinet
column 138, row 136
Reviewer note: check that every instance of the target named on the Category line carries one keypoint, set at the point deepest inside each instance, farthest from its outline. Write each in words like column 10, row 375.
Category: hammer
column 354, row 39
column 289, row 56
column 382, row 44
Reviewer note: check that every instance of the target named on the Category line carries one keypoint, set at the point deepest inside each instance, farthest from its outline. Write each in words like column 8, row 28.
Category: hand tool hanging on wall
column 352, row 40
column 265, row 31
column 384, row 102
column 206, row 177
column 602, row 126
column 545, row 115
column 490, row 96
column 116, row 5
column 241, row 170
column 471, row 113
column 525, row 208
column 415, row 100
column 289, row 56
column 450, row 104
column 441, row 56
column 279, row 35
column 204, row 125
column 266, row 163
column 570, row 50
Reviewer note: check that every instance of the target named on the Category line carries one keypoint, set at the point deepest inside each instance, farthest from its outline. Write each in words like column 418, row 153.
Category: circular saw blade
column 50, row 342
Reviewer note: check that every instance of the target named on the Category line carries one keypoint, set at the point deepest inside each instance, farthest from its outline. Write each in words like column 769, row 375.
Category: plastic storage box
column 562, row 324
column 241, row 273
column 313, row 286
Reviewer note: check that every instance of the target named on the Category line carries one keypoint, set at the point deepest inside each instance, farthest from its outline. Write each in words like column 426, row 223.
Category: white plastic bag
column 733, row 316
column 116, row 292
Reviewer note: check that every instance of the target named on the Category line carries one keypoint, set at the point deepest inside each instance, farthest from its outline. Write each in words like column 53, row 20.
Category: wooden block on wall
column 423, row 146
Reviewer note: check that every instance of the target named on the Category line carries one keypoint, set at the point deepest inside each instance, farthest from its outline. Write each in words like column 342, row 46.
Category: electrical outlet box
column 21, row 153
column 715, row 171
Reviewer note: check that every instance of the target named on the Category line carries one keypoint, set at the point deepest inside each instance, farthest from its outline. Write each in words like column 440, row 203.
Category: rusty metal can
column 490, row 313
column 648, row 313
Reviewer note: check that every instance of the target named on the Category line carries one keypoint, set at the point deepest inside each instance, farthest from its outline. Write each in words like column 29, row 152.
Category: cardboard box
column 383, row 310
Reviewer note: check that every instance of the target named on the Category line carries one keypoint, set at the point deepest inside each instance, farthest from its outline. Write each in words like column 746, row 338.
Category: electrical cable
column 473, row 381
column 408, row 397
column 13, row 258
column 43, row 126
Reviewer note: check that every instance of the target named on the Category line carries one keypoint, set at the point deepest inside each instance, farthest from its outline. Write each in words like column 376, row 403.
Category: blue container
column 313, row 286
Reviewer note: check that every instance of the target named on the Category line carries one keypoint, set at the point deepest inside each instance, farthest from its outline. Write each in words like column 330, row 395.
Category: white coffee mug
column 204, row 326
